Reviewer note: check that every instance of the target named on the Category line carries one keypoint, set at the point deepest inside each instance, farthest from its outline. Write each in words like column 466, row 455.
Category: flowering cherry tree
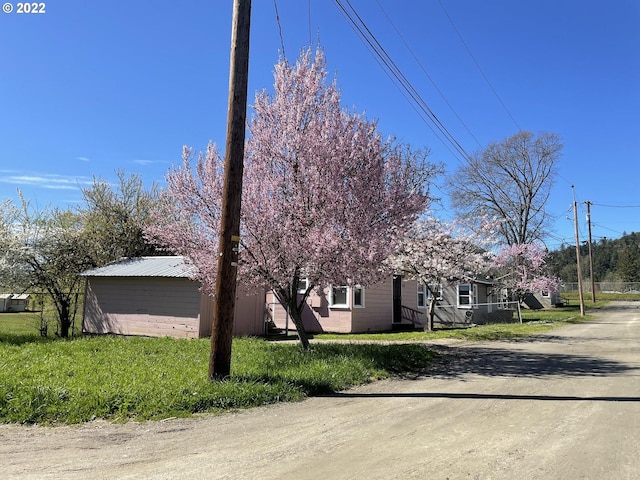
column 325, row 196
column 434, row 252
column 522, row 269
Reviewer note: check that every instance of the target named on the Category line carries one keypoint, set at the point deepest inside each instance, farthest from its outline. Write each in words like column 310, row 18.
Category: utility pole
column 575, row 221
column 225, row 291
column 593, row 282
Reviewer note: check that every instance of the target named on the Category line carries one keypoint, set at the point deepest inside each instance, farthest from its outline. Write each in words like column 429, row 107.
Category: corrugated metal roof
column 15, row 296
column 172, row 266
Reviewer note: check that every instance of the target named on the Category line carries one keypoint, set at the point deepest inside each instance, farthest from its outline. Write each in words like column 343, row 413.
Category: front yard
column 51, row 381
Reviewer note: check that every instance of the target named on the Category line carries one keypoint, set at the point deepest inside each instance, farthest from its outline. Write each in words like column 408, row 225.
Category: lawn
column 53, row 381
column 69, row 381
column 533, row 322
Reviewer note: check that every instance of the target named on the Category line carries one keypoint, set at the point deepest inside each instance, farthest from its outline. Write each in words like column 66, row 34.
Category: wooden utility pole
column 593, row 282
column 225, row 291
column 575, row 221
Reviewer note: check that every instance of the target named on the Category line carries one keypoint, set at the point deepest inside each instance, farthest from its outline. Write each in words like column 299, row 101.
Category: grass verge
column 55, row 381
column 51, row 381
column 533, row 322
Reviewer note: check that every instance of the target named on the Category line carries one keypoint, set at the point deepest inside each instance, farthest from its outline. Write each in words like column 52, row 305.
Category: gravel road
column 565, row 405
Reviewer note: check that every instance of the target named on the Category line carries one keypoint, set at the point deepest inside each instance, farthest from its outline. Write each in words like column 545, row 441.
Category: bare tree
column 511, row 181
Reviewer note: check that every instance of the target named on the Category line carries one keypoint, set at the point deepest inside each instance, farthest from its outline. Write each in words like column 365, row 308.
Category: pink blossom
column 325, row 196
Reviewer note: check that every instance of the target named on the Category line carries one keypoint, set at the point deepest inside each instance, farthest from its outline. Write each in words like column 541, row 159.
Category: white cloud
column 47, row 180
column 83, row 159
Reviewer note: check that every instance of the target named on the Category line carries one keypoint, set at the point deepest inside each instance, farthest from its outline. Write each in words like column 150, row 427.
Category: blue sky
column 90, row 87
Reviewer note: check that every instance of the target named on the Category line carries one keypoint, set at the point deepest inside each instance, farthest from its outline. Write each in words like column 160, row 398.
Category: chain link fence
column 603, row 287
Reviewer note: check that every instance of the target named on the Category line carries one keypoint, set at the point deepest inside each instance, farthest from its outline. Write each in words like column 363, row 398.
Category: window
column 358, row 296
column 437, row 288
column 339, row 296
column 422, row 297
column 303, row 284
column 424, row 293
column 503, row 299
column 467, row 296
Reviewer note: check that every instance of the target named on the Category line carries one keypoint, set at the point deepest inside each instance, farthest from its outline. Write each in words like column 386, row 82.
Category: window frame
column 472, row 296
column 362, row 296
column 422, row 291
column 303, row 281
column 440, row 290
column 332, row 304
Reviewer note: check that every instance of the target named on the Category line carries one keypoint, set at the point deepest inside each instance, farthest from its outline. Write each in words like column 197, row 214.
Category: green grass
column 533, row 322
column 25, row 323
column 51, row 381
column 28, row 323
column 57, row 381
column 602, row 297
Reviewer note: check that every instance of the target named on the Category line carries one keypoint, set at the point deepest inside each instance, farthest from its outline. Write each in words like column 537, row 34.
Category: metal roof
column 15, row 296
column 169, row 266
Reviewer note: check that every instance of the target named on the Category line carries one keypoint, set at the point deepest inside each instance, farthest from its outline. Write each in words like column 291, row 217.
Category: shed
column 14, row 302
column 155, row 296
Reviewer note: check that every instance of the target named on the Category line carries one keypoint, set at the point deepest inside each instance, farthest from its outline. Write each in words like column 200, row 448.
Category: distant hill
column 613, row 260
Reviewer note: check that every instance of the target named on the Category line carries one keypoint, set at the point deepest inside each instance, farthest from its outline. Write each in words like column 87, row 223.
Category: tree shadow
column 499, row 362
column 483, row 396
column 460, row 362
column 18, row 339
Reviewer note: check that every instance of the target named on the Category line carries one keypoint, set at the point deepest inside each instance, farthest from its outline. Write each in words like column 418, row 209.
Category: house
column 543, row 299
column 477, row 302
column 393, row 304
column 14, row 302
column 154, row 296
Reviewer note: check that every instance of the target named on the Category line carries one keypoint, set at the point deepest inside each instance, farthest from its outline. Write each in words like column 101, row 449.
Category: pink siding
column 249, row 317
column 317, row 315
column 377, row 314
column 160, row 306
column 142, row 306
column 374, row 317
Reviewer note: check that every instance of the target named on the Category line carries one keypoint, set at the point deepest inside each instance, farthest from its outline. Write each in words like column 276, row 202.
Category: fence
column 604, row 287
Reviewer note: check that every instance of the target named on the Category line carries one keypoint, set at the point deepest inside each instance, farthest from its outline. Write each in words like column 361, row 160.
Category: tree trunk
column 65, row 321
column 289, row 301
column 428, row 327
column 296, row 316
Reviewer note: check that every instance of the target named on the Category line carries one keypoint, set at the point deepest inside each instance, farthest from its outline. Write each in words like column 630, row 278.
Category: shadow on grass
column 330, row 367
column 24, row 338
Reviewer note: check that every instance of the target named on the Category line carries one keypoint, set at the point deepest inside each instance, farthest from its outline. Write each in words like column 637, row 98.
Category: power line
column 309, row 12
column 398, row 78
column 424, row 70
column 478, row 66
column 615, row 206
column 275, row 6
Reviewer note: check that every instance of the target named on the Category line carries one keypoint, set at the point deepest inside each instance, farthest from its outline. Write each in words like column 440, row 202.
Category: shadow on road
column 498, row 362
column 482, row 396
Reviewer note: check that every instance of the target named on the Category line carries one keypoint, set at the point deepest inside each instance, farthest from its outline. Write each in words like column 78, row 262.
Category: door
column 397, row 298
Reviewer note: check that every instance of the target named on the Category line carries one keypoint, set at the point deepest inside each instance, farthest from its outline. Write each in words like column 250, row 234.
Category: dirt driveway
column 560, row 406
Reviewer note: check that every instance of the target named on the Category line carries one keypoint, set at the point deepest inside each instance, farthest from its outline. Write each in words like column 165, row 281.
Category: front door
column 397, row 298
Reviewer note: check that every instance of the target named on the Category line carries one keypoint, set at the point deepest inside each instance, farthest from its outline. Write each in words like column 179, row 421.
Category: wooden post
column 593, row 280
column 225, row 291
column 578, row 268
